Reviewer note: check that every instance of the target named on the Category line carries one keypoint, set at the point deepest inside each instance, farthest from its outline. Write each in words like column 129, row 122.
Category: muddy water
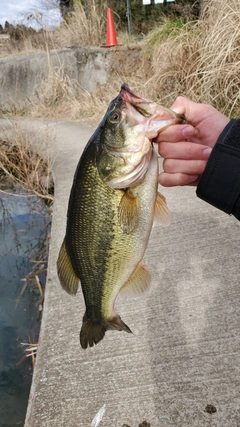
column 24, row 229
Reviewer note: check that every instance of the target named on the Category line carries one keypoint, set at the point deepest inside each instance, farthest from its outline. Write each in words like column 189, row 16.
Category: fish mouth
column 148, row 108
column 133, row 98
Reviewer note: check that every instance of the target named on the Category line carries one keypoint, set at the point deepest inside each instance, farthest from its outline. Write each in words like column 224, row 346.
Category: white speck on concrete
column 99, row 416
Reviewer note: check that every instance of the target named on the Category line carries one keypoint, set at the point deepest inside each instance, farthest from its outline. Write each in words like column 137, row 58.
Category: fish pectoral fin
column 161, row 212
column 67, row 277
column 138, row 282
column 93, row 332
column 128, row 211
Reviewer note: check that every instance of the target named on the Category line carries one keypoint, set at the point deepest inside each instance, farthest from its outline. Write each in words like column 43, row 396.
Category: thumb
column 184, row 106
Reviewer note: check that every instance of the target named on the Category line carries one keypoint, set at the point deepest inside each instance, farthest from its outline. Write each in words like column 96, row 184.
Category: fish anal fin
column 67, row 277
column 128, row 211
column 161, row 212
column 93, row 332
column 138, row 282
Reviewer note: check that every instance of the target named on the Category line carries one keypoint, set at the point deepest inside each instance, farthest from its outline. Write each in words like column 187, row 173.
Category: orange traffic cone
column 111, row 39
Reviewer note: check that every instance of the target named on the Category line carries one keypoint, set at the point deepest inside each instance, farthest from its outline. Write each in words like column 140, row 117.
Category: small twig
column 39, row 286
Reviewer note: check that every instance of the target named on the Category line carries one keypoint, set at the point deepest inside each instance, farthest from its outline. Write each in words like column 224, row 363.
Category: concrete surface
column 184, row 354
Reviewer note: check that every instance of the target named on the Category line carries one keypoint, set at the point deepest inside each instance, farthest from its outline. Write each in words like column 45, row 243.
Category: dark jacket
column 220, row 182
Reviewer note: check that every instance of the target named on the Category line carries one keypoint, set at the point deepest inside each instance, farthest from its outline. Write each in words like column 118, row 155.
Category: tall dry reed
column 81, row 30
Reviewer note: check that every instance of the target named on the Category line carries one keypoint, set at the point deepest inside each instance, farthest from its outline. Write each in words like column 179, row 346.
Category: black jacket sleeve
column 220, row 182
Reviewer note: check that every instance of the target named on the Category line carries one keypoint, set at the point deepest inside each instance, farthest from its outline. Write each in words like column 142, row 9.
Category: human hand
column 187, row 147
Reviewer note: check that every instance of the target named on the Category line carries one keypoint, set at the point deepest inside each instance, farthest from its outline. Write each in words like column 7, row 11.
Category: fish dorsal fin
column 128, row 211
column 138, row 282
column 67, row 277
column 161, row 212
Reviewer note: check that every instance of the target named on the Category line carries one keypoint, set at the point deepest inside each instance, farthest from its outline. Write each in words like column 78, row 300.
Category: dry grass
column 23, row 42
column 82, row 31
column 23, row 162
column 61, row 98
column 201, row 60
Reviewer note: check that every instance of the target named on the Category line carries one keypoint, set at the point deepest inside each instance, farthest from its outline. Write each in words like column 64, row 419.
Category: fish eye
column 114, row 116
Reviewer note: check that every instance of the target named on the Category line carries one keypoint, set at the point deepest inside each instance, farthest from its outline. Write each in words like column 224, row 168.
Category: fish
column 112, row 205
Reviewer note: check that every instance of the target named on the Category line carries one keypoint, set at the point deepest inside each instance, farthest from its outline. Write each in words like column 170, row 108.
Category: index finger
column 175, row 133
column 184, row 150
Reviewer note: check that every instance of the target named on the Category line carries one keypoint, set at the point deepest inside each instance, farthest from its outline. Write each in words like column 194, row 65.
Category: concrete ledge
column 184, row 353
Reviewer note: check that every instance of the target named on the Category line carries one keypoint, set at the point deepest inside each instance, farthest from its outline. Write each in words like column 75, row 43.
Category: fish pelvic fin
column 128, row 211
column 139, row 281
column 93, row 332
column 67, row 277
column 161, row 212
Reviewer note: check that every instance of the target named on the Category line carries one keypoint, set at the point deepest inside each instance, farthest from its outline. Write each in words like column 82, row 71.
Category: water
column 24, row 228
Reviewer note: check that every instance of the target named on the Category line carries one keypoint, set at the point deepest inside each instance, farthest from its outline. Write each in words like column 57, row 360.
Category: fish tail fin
column 67, row 277
column 93, row 332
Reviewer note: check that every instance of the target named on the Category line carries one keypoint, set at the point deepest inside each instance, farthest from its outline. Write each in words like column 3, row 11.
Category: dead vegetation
column 23, row 163
column 82, row 31
column 202, row 58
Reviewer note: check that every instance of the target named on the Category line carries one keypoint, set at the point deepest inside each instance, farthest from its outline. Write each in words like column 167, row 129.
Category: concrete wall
column 22, row 77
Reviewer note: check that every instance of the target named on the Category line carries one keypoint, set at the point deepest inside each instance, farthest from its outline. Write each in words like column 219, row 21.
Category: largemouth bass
column 112, row 205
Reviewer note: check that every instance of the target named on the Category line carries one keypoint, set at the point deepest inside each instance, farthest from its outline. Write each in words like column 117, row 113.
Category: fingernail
column 188, row 131
column 206, row 153
column 192, row 178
